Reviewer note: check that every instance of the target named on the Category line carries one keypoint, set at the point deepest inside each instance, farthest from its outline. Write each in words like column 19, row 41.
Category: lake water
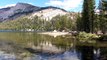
column 33, row 46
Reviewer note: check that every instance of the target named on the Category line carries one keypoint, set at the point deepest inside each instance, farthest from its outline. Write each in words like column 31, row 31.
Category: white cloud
column 65, row 4
column 7, row 5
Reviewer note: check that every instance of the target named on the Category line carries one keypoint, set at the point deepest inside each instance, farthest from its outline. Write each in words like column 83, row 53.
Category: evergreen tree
column 88, row 16
column 79, row 23
column 97, row 23
column 92, row 17
column 62, row 22
column 103, row 17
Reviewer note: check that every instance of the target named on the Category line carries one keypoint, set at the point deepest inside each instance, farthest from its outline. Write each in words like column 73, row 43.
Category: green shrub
column 84, row 37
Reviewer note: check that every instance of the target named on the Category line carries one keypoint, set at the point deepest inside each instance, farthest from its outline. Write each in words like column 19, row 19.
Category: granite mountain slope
column 23, row 9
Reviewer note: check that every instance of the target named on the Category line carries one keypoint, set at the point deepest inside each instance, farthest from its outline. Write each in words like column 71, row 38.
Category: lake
column 33, row 46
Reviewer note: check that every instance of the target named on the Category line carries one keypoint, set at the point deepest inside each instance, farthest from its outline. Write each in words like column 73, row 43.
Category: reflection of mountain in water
column 9, row 50
column 47, row 47
column 5, row 56
column 47, row 51
column 42, row 45
column 31, row 46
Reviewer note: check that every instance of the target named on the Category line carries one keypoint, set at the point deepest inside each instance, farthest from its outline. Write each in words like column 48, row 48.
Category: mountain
column 49, row 12
column 23, row 9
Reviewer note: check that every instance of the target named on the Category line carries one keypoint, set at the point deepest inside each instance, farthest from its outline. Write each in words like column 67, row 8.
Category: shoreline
column 55, row 33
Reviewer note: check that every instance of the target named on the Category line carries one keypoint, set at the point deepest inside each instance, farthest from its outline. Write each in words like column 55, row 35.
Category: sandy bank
column 55, row 33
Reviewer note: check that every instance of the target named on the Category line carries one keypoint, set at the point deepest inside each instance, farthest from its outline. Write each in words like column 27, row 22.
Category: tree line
column 90, row 21
column 36, row 23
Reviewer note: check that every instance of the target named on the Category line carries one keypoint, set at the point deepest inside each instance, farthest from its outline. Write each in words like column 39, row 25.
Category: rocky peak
column 23, row 9
column 24, row 5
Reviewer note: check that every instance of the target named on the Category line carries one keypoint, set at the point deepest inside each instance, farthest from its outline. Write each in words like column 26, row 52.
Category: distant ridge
column 21, row 9
column 52, row 7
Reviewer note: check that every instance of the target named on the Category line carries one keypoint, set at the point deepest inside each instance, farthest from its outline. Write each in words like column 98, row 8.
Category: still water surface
column 33, row 46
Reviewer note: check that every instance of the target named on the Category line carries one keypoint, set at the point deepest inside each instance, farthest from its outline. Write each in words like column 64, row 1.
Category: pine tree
column 79, row 23
column 103, row 17
column 92, row 15
column 88, row 16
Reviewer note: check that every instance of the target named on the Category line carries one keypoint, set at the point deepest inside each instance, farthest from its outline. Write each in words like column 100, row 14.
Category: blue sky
column 69, row 5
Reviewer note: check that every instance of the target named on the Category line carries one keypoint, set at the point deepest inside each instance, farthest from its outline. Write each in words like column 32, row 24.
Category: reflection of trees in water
column 25, row 42
column 92, row 53
column 10, row 47
column 16, row 42
column 28, row 40
column 86, row 53
column 103, row 53
column 51, row 44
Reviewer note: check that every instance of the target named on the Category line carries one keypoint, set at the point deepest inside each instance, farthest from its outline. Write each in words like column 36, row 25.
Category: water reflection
column 31, row 46
column 86, row 53
column 5, row 56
